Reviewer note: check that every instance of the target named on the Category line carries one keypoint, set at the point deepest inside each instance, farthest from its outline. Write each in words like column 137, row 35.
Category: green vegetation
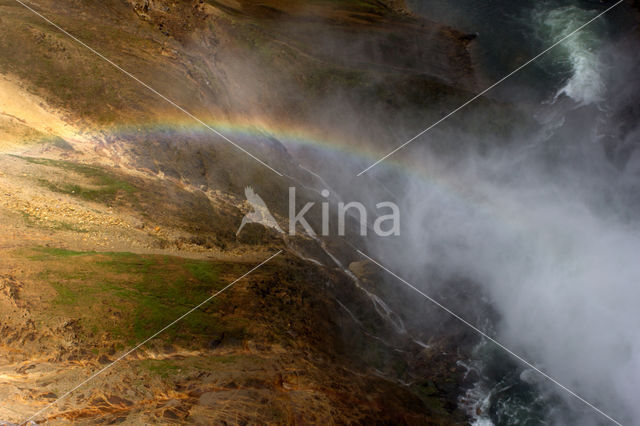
column 48, row 252
column 162, row 368
column 106, row 186
column 33, row 221
column 14, row 130
column 131, row 296
column 169, row 368
column 60, row 143
column 432, row 397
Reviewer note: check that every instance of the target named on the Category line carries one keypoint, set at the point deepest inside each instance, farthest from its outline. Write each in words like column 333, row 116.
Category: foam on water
column 585, row 84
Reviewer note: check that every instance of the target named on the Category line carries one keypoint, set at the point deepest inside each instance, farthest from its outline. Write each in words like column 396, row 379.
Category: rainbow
column 291, row 136
column 248, row 130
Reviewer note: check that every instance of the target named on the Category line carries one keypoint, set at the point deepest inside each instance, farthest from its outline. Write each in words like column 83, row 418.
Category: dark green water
column 512, row 32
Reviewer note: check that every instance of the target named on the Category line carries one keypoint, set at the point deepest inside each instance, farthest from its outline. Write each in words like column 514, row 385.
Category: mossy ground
column 129, row 297
column 101, row 185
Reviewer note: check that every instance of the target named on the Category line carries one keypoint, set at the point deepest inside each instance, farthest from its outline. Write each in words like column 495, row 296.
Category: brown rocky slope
column 115, row 223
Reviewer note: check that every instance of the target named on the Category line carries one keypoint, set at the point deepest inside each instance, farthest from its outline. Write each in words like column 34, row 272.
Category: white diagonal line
column 151, row 89
column 491, row 339
column 580, row 28
column 93, row 376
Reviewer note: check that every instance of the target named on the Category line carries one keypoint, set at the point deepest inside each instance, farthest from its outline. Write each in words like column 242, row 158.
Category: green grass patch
column 45, row 253
column 33, row 221
column 132, row 296
column 226, row 359
column 162, row 368
column 65, row 295
column 103, row 186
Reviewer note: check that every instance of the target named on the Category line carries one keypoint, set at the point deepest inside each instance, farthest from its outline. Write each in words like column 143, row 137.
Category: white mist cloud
column 550, row 235
column 562, row 271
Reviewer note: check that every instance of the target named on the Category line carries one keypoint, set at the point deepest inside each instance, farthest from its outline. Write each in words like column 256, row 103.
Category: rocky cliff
column 119, row 212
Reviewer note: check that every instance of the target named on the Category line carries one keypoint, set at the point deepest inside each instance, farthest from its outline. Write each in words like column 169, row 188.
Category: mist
column 548, row 228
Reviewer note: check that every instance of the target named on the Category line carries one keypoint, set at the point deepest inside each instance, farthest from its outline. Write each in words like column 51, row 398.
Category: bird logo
column 259, row 214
